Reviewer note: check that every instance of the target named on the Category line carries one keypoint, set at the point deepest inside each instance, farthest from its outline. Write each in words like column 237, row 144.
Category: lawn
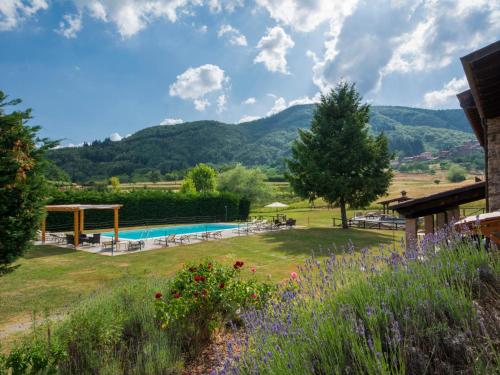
column 49, row 280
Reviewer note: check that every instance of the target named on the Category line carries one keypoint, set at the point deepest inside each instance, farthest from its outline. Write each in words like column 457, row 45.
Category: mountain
column 264, row 142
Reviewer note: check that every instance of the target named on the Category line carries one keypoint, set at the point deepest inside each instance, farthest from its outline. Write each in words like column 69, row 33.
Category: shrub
column 248, row 183
column 424, row 311
column 456, row 173
column 112, row 332
column 203, row 177
column 202, row 297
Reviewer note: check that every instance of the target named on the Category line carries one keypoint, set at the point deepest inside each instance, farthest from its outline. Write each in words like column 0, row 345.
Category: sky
column 92, row 69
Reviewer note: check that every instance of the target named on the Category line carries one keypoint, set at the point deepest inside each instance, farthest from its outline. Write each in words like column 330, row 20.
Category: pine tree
column 337, row 159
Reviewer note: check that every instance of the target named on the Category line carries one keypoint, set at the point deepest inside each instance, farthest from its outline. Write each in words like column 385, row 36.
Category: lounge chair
column 135, row 245
column 70, row 239
column 290, row 223
column 94, row 240
column 57, row 238
column 165, row 240
column 183, row 238
column 216, row 234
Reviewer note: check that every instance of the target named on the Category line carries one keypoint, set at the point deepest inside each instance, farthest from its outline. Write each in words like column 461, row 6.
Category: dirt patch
column 211, row 359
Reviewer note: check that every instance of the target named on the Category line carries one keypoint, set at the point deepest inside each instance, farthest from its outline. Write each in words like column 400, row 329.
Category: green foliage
column 187, row 187
column 33, row 357
column 337, row 159
column 245, row 182
column 202, row 297
column 113, row 332
column 437, row 181
column 412, row 317
column 114, row 182
column 143, row 205
column 264, row 142
column 22, row 182
column 456, row 173
column 203, row 177
column 55, row 173
column 155, row 177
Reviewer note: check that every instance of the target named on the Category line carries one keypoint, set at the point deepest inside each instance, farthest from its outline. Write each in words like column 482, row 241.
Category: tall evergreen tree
column 22, row 183
column 337, row 159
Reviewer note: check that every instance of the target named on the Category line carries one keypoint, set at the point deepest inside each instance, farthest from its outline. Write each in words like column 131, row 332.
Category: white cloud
column 235, row 36
column 279, row 105
column 221, row 103
column 273, row 48
column 446, row 96
column 248, row 118
column 115, row 137
column 201, row 104
column 227, row 5
column 13, row 12
column 70, row 26
column 195, row 83
column 304, row 15
column 251, row 100
column 97, row 10
column 172, row 121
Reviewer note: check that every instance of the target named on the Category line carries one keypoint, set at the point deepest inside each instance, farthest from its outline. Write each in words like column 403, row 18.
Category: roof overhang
column 482, row 69
column 469, row 106
column 440, row 202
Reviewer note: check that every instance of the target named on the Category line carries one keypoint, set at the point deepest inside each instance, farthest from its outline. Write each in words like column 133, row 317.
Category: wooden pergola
column 79, row 216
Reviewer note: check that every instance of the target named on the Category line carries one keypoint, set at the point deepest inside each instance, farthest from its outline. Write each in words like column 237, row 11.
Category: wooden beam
column 75, row 228
column 82, row 219
column 410, row 230
column 429, row 224
column 44, row 226
column 116, row 224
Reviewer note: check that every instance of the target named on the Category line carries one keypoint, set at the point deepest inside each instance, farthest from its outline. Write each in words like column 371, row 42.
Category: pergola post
column 440, row 220
column 116, row 223
column 44, row 226
column 82, row 220
column 453, row 214
column 429, row 224
column 75, row 229
column 410, row 230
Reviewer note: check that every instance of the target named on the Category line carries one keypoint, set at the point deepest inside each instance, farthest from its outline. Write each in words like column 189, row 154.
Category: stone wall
column 493, row 129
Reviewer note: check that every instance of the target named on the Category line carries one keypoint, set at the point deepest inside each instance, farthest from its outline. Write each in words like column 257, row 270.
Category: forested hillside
column 264, row 142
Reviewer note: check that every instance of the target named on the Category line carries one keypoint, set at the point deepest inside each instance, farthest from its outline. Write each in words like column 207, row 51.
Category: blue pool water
column 141, row 234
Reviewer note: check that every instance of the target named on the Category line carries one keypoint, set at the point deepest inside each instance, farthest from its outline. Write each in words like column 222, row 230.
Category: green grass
column 50, row 280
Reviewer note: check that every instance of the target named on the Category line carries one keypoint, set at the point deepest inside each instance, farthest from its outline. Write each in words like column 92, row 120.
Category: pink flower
column 293, row 275
column 254, row 296
column 253, row 270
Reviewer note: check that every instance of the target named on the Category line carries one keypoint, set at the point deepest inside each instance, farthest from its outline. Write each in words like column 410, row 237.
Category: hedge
column 143, row 207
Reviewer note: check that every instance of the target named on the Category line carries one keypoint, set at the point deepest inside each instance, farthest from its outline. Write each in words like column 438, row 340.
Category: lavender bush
column 416, row 312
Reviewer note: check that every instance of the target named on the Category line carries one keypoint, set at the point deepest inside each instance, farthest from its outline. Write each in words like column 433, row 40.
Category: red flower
column 254, row 296
column 222, row 285
column 204, row 292
column 253, row 270
column 158, row 295
column 177, row 295
column 199, row 278
column 238, row 264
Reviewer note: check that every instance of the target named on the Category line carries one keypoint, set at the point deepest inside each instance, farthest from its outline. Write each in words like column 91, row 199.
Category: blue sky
column 100, row 68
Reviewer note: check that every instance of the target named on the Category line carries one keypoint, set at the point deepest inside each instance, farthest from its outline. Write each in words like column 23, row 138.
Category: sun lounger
column 135, row 245
column 165, row 240
column 216, row 234
column 183, row 238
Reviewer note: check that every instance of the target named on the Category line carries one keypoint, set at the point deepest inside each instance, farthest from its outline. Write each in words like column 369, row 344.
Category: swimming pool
column 141, row 234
